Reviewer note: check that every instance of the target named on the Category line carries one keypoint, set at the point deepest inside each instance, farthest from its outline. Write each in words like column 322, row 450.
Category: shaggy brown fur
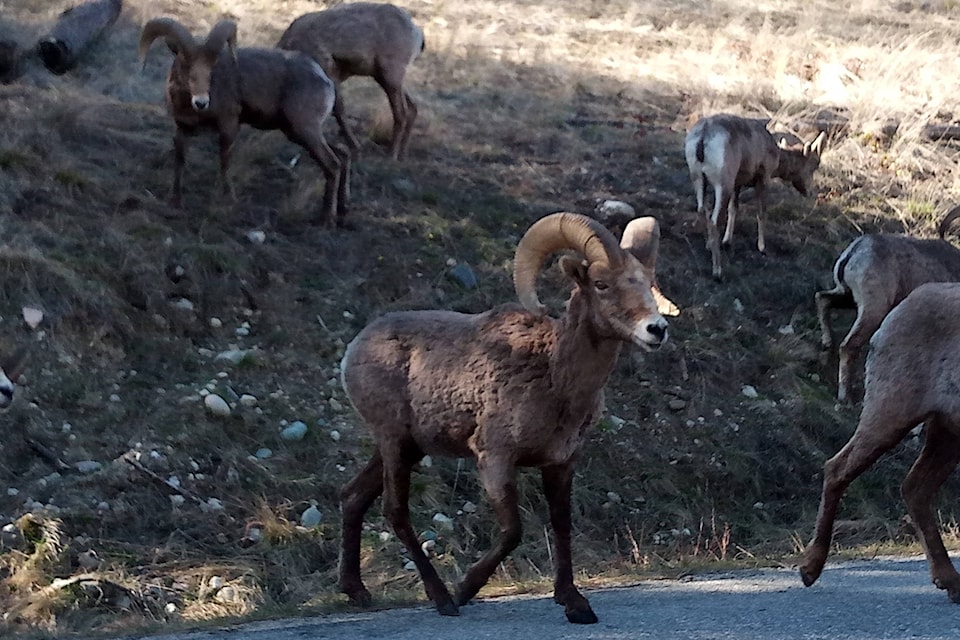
column 873, row 274
column 265, row 88
column 731, row 153
column 363, row 39
column 509, row 387
column 913, row 376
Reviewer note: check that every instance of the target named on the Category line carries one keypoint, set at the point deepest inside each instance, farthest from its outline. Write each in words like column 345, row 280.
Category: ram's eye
column 600, row 285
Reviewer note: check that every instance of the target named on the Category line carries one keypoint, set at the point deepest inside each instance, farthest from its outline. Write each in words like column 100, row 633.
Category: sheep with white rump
column 873, row 274
column 912, row 377
column 730, row 153
column 363, row 39
column 511, row 387
column 216, row 85
column 11, row 367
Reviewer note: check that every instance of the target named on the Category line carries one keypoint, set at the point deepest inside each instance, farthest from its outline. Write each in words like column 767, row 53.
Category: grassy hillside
column 526, row 107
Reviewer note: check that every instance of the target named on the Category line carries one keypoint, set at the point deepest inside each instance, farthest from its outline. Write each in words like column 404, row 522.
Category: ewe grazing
column 874, row 273
column 265, row 88
column 731, row 153
column 10, row 369
column 363, row 39
column 913, row 373
column 510, row 387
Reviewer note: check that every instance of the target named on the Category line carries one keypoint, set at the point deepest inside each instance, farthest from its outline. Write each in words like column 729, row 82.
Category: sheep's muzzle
column 201, row 102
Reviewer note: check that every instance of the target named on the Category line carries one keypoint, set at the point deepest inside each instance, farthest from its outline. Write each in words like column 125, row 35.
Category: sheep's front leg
column 179, row 159
column 761, row 190
column 557, row 485
column 228, row 133
column 355, row 499
column 866, row 324
column 345, row 131
column 881, row 427
column 498, row 478
column 938, row 459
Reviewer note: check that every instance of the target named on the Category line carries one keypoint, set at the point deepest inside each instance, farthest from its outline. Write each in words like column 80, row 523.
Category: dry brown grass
column 526, row 107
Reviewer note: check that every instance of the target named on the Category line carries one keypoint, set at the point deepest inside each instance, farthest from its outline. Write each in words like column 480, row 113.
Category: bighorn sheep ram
column 873, row 274
column 363, row 39
column 730, row 153
column 912, row 376
column 10, row 369
column 265, row 88
column 510, row 387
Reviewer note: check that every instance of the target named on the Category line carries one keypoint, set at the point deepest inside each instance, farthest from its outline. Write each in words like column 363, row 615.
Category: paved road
column 866, row 600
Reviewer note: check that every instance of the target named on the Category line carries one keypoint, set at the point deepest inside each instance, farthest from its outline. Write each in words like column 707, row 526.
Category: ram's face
column 625, row 302
column 198, row 79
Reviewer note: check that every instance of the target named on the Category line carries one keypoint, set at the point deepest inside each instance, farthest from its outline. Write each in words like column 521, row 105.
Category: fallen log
column 75, row 30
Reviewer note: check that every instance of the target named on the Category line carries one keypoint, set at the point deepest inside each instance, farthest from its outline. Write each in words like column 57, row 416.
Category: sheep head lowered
column 10, row 369
column 510, row 387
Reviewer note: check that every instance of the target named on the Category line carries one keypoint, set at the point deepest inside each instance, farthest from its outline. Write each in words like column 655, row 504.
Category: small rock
column 183, row 304
column 13, row 491
column 212, row 504
column 410, row 565
column 335, row 404
column 385, row 536
column 615, row 208
column 614, row 497
column 242, row 331
column 786, row 330
column 262, row 453
column 215, row 582
column 749, row 391
column 676, row 404
column 88, row 466
column 89, row 560
column 248, row 400
column 463, row 274
column 294, row 432
column 443, row 520
column 177, row 500
column 335, row 435
column 216, row 405
column 426, row 462
column 170, row 608
column 311, row 517
column 215, row 323
column 32, row 317
column 758, row 505
column 428, row 547
column 469, row 507
column 256, row 236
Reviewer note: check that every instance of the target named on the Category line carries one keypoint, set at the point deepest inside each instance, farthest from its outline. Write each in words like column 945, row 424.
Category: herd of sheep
column 514, row 387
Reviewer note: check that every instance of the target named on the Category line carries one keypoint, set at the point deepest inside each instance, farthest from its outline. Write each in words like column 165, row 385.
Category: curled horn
column 556, row 232
column 952, row 215
column 14, row 363
column 816, row 145
column 178, row 38
column 223, row 33
column 641, row 237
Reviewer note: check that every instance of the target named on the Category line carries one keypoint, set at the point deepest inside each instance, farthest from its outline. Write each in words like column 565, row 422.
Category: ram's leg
column 883, row 423
column 391, row 80
column 345, row 131
column 179, row 160
column 398, row 461
column 411, row 117
column 732, row 209
column 343, row 183
column 699, row 190
column 866, row 324
column 836, row 298
column 761, row 190
column 938, row 459
column 713, row 234
column 356, row 497
column 557, row 485
column 498, row 478
column 312, row 140
column 228, row 133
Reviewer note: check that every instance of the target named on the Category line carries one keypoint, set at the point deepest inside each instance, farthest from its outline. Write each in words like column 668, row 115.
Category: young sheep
column 363, row 39
column 510, row 387
column 10, row 369
column 731, row 153
column 913, row 373
column 873, row 274
column 265, row 88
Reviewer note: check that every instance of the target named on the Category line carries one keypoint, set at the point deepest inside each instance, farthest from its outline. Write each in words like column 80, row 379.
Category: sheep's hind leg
column 938, row 459
column 557, row 485
column 882, row 425
column 498, row 478
column 867, row 322
column 355, row 499
column 392, row 84
column 345, row 131
column 331, row 166
column 343, row 184
column 398, row 462
column 836, row 298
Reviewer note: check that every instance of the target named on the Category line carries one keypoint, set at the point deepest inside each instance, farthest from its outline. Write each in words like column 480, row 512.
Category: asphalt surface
column 863, row 600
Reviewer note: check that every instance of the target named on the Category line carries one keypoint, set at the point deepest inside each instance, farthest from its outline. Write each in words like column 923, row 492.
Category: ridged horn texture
column 556, row 232
column 952, row 215
column 223, row 33
column 177, row 36
column 13, row 364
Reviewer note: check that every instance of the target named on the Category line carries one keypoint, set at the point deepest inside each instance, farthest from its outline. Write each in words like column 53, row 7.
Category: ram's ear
column 573, row 268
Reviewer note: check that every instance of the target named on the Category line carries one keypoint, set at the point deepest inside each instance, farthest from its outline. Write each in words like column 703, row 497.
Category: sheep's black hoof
column 581, row 616
column 448, row 608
